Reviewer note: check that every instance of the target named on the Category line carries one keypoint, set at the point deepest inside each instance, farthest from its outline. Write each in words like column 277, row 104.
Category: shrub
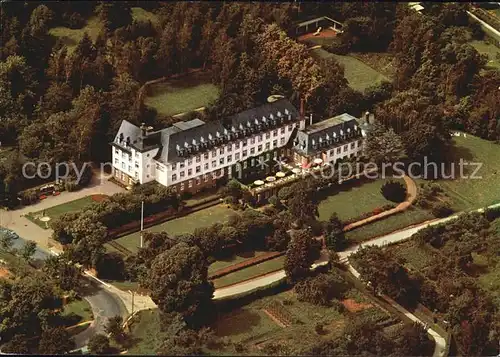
column 441, row 210
column 492, row 213
column 394, row 191
column 321, row 289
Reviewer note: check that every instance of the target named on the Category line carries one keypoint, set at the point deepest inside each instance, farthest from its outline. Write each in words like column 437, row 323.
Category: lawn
column 71, row 37
column 182, row 95
column 234, row 259
column 467, row 193
column 359, row 75
column 250, row 272
column 77, row 311
column 182, row 225
column 412, row 215
column 139, row 14
column 490, row 50
column 355, row 198
column 56, row 211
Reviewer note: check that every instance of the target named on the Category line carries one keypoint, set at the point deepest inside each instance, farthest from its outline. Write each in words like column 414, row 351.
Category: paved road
column 16, row 220
column 104, row 306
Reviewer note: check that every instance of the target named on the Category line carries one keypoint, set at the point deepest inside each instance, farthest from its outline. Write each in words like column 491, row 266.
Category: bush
column 338, row 48
column 321, row 289
column 492, row 213
column 441, row 210
column 394, row 191
column 111, row 266
column 29, row 197
column 70, row 186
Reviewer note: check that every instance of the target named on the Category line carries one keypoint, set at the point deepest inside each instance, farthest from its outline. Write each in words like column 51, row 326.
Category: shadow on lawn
column 241, row 321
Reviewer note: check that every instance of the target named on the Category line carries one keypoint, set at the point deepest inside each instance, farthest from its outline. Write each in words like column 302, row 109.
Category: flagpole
column 142, row 220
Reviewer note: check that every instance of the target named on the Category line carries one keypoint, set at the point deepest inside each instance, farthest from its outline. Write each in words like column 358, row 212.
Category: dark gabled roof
column 183, row 135
column 326, row 133
column 282, row 106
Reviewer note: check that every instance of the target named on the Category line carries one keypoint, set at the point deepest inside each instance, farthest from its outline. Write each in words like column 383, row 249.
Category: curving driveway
column 104, row 306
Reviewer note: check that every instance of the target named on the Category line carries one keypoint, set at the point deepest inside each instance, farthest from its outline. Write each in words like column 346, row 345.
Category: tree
column 111, row 266
column 64, row 272
column 278, row 241
column 393, row 191
column 28, row 304
column 114, row 15
column 178, row 281
column 384, row 145
column 18, row 344
column 301, row 253
column 386, row 274
column 321, row 289
column 441, row 209
column 6, row 241
column 301, row 205
column 334, row 233
column 56, row 341
column 114, row 327
column 29, row 249
column 99, row 345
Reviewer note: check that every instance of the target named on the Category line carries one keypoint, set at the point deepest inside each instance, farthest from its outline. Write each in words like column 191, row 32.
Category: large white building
column 191, row 155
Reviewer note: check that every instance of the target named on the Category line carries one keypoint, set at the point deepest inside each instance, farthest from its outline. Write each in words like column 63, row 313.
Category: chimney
column 371, row 118
column 367, row 117
column 302, row 108
column 143, row 130
column 310, row 119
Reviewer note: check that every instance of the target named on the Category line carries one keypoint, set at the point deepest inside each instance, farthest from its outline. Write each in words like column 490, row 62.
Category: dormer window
column 177, row 147
column 241, row 126
column 217, row 134
column 271, row 116
column 348, row 130
column 256, row 121
column 225, row 131
column 264, row 119
column 279, row 113
column 286, row 111
column 233, row 129
column 186, row 144
column 210, row 137
column 248, row 124
column 202, row 139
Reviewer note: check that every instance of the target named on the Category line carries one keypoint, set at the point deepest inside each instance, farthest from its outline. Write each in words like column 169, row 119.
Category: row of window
column 227, row 159
column 345, row 147
column 237, row 145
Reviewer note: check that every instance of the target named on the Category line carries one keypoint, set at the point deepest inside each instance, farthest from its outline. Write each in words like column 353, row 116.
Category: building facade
column 192, row 155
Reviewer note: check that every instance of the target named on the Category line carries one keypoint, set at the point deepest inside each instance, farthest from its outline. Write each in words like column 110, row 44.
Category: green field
column 78, row 311
column 234, row 259
column 412, row 215
column 467, row 193
column 71, row 37
column 490, row 50
column 56, row 211
column 250, row 272
column 359, row 75
column 139, row 14
column 182, row 95
column 182, row 225
column 146, row 330
column 355, row 198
